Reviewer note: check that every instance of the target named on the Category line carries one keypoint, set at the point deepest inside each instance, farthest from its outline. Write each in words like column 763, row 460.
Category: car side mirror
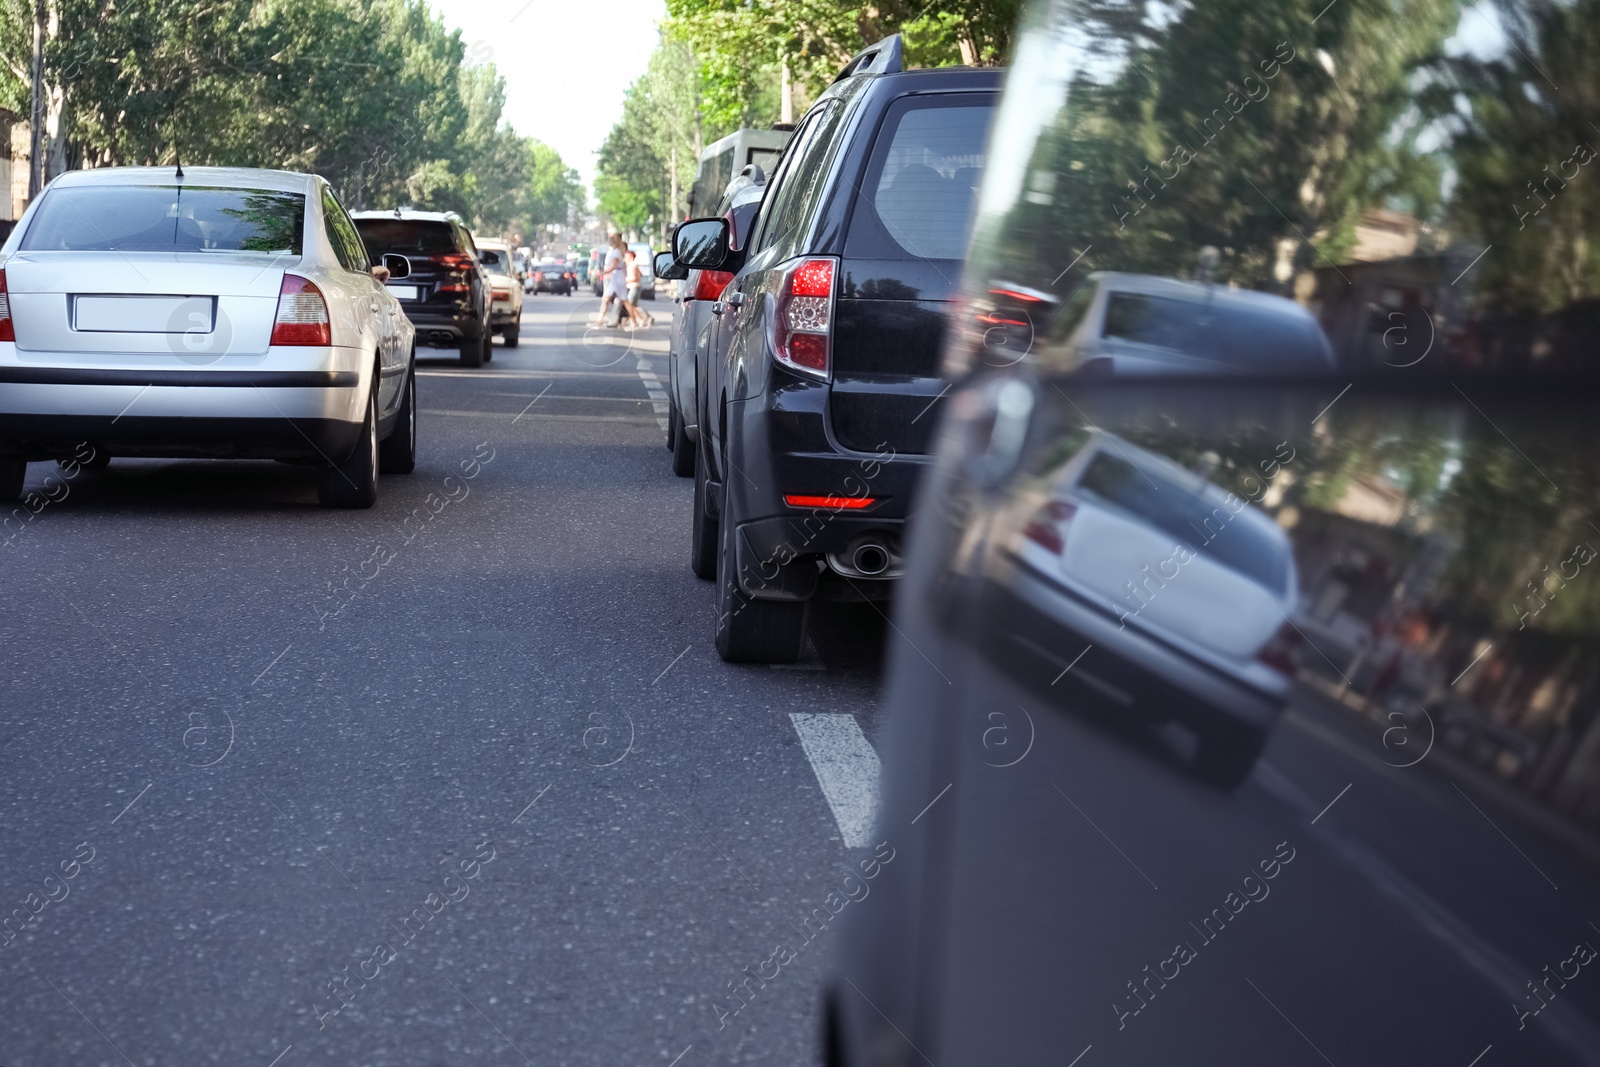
column 701, row 244
column 398, row 266
column 667, row 269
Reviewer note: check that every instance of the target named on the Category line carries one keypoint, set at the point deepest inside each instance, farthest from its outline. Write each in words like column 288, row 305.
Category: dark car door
column 736, row 342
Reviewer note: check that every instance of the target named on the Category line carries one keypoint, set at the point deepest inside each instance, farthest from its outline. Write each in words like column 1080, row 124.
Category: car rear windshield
column 1242, row 337
column 501, row 263
column 407, row 236
column 1203, row 523
column 167, row 218
column 921, row 185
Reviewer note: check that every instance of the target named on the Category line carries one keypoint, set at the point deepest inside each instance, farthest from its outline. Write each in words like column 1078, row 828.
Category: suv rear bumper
column 431, row 324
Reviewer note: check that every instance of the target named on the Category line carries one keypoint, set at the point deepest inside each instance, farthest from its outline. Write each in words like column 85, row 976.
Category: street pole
column 36, row 122
column 672, row 205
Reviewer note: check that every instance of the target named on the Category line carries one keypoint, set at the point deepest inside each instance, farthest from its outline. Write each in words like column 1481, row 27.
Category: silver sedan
column 210, row 312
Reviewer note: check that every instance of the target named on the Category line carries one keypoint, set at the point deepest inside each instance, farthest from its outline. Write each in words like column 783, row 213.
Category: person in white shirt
column 613, row 273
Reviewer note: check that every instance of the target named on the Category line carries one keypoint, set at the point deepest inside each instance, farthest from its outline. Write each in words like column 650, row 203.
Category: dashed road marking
column 846, row 768
column 658, row 392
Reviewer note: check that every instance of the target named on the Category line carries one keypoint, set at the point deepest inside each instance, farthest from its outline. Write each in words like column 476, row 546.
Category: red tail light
column 803, row 323
column 302, row 314
column 1282, row 653
column 454, row 261
column 8, row 332
column 838, row 503
column 710, row 284
column 1048, row 527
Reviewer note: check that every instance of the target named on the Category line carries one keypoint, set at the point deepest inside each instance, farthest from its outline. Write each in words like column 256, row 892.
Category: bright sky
column 566, row 63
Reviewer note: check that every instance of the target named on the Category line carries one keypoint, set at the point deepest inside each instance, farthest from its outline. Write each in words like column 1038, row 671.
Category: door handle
column 716, row 307
column 736, row 299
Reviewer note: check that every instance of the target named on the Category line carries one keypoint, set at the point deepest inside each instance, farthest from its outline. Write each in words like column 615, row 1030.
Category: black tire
column 472, row 352
column 397, row 453
column 683, row 449
column 754, row 631
column 488, row 343
column 512, row 335
column 703, row 529
column 13, row 472
column 354, row 482
column 1228, row 753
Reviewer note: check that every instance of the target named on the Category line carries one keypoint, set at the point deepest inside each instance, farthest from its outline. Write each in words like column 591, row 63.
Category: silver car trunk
column 144, row 304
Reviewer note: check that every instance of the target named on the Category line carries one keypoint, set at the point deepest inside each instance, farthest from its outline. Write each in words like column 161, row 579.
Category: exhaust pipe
column 870, row 558
column 867, row 556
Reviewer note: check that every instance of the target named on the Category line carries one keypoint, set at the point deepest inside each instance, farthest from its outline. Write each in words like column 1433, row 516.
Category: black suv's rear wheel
column 1228, row 753
column 397, row 453
column 13, row 472
column 472, row 352
column 703, row 532
column 749, row 630
column 354, row 482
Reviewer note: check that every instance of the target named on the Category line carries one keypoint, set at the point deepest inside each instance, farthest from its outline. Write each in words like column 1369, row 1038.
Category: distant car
column 1142, row 324
column 447, row 295
column 284, row 343
column 647, row 275
column 552, row 278
column 505, row 281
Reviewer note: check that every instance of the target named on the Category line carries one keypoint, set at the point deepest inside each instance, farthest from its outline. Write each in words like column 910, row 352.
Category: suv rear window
column 407, row 236
column 921, row 185
column 1232, row 335
column 167, row 218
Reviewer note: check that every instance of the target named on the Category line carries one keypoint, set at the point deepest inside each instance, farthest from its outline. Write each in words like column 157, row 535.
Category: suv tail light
column 1282, row 653
column 802, row 326
column 8, row 332
column 710, row 283
column 302, row 314
column 1048, row 527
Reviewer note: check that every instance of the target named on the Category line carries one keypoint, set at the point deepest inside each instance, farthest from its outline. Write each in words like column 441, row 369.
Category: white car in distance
column 213, row 312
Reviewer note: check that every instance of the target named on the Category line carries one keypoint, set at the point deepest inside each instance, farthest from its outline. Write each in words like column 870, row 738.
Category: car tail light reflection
column 456, row 263
column 302, row 314
column 8, row 332
column 803, row 322
column 1282, row 653
column 1048, row 527
column 710, row 284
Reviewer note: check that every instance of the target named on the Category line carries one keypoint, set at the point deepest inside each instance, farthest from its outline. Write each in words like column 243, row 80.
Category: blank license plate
column 403, row 292
column 145, row 314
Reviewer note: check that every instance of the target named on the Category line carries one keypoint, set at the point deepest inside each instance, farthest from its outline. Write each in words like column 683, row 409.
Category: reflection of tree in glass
column 276, row 221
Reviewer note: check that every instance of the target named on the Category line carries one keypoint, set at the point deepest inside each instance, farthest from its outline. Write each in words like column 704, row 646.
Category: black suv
column 447, row 295
column 822, row 381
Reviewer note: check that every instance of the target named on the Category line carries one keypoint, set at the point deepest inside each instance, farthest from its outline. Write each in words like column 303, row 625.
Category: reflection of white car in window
column 1183, row 590
column 1142, row 324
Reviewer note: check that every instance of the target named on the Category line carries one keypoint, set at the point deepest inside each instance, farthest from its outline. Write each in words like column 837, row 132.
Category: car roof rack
column 885, row 57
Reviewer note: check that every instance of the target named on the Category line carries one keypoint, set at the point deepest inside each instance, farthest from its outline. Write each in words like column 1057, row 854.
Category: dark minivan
column 447, row 295
column 822, row 383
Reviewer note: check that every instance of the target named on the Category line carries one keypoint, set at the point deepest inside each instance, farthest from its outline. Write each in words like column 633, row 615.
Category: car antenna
column 178, row 158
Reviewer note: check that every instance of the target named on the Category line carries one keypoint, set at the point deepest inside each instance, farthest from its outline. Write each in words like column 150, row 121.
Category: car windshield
column 167, row 218
column 1220, row 331
column 403, row 236
column 496, row 261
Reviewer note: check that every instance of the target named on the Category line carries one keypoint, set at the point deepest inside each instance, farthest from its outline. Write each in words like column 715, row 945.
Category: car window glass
column 342, row 235
column 1200, row 520
column 779, row 189
column 920, row 189
column 1227, row 334
column 406, row 236
column 167, row 218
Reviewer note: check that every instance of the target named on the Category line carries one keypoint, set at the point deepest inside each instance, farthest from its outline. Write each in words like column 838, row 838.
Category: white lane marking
column 637, row 421
column 657, row 391
column 846, row 768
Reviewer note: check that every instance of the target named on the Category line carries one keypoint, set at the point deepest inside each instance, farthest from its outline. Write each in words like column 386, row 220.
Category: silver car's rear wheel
column 354, row 482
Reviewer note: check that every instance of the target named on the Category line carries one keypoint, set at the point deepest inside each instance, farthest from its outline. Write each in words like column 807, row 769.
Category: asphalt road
column 280, row 728
column 461, row 779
